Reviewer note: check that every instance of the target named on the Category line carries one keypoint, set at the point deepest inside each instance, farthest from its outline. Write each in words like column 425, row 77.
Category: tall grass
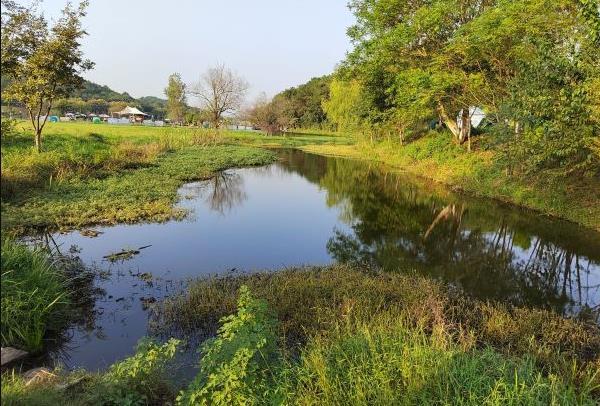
column 369, row 359
column 35, row 296
column 386, row 361
column 310, row 302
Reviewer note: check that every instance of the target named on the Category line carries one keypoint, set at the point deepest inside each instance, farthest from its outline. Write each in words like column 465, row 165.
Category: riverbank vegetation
column 349, row 335
column 499, row 98
column 42, row 295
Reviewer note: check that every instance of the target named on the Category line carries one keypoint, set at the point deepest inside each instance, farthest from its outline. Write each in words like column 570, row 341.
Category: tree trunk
column 450, row 123
column 38, row 140
column 465, row 126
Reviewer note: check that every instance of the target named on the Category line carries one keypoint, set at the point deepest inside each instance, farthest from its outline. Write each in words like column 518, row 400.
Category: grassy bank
column 41, row 295
column 343, row 335
column 436, row 157
column 93, row 174
column 322, row 311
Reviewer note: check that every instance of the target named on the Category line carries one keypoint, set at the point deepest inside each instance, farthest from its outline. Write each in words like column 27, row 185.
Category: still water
column 308, row 209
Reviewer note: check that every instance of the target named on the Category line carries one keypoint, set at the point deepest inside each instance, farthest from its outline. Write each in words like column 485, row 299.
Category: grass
column 436, row 157
column 368, row 356
column 311, row 302
column 357, row 337
column 35, row 297
column 384, row 362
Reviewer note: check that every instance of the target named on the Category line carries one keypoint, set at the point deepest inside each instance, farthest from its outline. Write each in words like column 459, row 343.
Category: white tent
column 130, row 111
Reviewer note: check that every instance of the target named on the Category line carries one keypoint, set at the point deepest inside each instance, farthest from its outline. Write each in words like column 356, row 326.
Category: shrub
column 236, row 367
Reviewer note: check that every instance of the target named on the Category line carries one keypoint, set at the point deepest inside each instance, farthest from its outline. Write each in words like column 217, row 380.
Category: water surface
column 309, row 209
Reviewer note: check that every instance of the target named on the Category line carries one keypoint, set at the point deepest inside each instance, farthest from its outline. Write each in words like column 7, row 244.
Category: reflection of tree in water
column 490, row 251
column 226, row 192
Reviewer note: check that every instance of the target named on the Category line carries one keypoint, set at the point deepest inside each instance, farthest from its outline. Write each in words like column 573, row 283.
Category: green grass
column 384, row 362
column 436, row 157
column 376, row 359
column 104, row 174
column 311, row 302
column 35, row 297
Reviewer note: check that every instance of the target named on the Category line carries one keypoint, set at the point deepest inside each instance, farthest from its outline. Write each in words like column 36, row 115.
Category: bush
column 236, row 367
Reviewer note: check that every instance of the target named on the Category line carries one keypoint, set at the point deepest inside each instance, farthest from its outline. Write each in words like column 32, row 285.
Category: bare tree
column 220, row 92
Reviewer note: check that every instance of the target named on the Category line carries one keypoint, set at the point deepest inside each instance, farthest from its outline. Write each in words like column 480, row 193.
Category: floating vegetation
column 124, row 254
column 90, row 233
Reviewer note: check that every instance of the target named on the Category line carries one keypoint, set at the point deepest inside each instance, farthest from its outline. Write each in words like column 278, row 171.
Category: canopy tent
column 130, row 111
column 135, row 115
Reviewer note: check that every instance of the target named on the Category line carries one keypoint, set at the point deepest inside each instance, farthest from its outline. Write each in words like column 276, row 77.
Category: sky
column 273, row 44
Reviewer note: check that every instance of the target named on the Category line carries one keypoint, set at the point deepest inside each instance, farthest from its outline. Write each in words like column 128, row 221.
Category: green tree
column 176, row 99
column 43, row 63
column 343, row 107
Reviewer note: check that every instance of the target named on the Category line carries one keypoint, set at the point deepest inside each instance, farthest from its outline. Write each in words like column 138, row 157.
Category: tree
column 343, row 107
column 269, row 115
column 44, row 64
column 220, row 92
column 176, row 100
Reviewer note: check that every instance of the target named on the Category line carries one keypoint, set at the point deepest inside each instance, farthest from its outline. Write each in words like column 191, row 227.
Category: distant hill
column 93, row 90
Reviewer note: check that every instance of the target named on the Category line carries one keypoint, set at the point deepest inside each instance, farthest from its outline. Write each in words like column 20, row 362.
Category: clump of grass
column 310, row 302
column 35, row 296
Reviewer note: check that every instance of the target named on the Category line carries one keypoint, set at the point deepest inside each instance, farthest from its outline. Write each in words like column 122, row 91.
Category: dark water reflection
column 308, row 209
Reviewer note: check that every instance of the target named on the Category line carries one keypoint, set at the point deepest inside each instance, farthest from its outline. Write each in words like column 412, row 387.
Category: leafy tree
column 270, row 116
column 303, row 104
column 176, row 100
column 343, row 107
column 44, row 64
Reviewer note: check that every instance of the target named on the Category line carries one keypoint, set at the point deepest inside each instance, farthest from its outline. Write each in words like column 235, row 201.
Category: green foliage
column 310, row 302
column 139, row 379
column 237, row 366
column 120, row 174
column 43, row 64
column 343, row 107
column 91, row 90
column 531, row 65
column 176, row 103
column 384, row 361
column 35, row 296
column 302, row 104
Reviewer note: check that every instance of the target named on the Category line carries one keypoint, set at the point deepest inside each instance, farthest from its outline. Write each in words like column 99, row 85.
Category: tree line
column 533, row 67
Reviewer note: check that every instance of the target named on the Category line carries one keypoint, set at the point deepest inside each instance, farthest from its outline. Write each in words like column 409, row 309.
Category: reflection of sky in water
column 245, row 219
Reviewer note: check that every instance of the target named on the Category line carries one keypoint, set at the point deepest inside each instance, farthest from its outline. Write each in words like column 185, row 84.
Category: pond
column 309, row 209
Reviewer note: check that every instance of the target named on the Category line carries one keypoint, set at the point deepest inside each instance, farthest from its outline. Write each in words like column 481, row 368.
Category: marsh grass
column 35, row 297
column 386, row 360
column 123, row 174
column 310, row 302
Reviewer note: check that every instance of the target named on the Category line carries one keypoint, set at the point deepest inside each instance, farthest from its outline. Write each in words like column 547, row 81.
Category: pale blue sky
column 274, row 44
